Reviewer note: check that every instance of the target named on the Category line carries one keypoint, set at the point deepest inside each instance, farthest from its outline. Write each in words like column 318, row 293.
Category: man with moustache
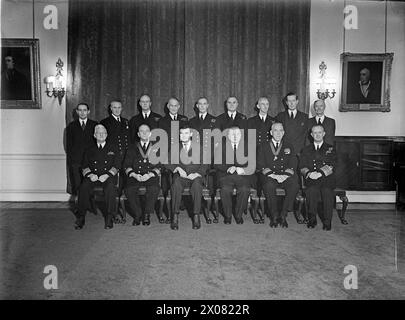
column 146, row 116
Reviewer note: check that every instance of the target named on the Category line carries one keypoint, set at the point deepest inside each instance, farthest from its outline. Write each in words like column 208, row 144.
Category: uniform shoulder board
column 287, row 151
column 213, row 120
column 243, row 116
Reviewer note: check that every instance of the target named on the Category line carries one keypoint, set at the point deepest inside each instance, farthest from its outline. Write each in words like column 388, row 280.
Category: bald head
column 319, row 107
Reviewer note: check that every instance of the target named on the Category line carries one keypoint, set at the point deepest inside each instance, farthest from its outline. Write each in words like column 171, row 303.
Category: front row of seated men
column 276, row 164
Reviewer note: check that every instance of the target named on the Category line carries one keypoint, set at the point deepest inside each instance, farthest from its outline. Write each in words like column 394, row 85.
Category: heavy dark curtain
column 187, row 49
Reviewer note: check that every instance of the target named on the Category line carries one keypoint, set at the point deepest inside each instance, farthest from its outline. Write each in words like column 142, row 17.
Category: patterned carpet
column 216, row 262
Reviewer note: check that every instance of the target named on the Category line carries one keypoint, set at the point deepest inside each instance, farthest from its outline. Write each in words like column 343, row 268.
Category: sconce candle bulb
column 56, row 83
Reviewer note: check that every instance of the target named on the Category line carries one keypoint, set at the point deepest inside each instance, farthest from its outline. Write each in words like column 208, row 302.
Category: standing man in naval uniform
column 231, row 117
column 146, row 116
column 141, row 173
column 262, row 124
column 277, row 163
column 317, row 164
column 100, row 166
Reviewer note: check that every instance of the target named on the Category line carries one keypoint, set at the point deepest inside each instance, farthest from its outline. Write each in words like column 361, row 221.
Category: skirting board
column 62, row 195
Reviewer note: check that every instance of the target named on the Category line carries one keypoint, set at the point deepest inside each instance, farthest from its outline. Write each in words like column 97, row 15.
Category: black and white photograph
column 202, row 158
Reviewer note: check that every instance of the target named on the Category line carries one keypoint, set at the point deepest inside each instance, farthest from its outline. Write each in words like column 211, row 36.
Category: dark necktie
column 317, row 147
column 175, row 118
column 100, row 147
column 264, row 120
column 118, row 119
column 319, row 121
column 83, row 125
column 276, row 145
column 144, row 147
column 145, row 116
column 201, row 118
column 292, row 115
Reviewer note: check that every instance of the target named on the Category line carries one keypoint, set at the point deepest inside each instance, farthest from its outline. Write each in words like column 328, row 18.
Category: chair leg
column 169, row 208
column 254, row 209
column 261, row 211
column 124, row 211
column 216, row 212
column 206, row 210
column 161, row 205
column 345, row 203
column 298, row 213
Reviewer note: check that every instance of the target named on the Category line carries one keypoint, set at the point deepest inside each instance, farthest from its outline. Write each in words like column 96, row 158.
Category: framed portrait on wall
column 20, row 74
column 365, row 81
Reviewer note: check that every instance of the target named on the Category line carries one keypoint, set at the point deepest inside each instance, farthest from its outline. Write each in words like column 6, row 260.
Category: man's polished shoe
column 161, row 219
column 79, row 223
column 273, row 223
column 283, row 223
column 196, row 221
column 174, row 225
column 327, row 227
column 146, row 220
column 239, row 221
column 311, row 224
column 108, row 222
column 227, row 221
column 136, row 222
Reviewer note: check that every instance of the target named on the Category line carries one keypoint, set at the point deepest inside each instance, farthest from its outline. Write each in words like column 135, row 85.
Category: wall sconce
column 325, row 84
column 55, row 84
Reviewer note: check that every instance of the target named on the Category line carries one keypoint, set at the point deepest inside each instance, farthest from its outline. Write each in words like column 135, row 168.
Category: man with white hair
column 100, row 166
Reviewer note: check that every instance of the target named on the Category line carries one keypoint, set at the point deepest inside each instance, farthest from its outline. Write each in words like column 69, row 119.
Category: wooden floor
column 216, row 262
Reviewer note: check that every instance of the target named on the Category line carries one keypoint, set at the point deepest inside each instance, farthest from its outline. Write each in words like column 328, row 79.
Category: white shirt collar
column 203, row 115
column 187, row 145
column 318, row 117
column 145, row 113
column 230, row 114
column 102, row 144
column 262, row 116
column 118, row 118
column 81, row 121
column 318, row 144
column 172, row 116
column 293, row 111
column 143, row 143
column 274, row 142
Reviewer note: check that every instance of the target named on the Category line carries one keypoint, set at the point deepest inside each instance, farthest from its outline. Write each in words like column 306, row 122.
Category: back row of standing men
column 296, row 132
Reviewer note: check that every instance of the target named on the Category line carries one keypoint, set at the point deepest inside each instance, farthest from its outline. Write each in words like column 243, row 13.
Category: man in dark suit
column 189, row 172
column 317, row 165
column 364, row 91
column 233, row 172
column 277, row 164
column 295, row 123
column 79, row 137
column 117, row 128
column 100, row 166
column 262, row 124
column 165, row 123
column 146, row 116
column 328, row 124
column 141, row 173
column 231, row 117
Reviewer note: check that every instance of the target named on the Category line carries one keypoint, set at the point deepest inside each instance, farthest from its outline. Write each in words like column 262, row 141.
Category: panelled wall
column 32, row 155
